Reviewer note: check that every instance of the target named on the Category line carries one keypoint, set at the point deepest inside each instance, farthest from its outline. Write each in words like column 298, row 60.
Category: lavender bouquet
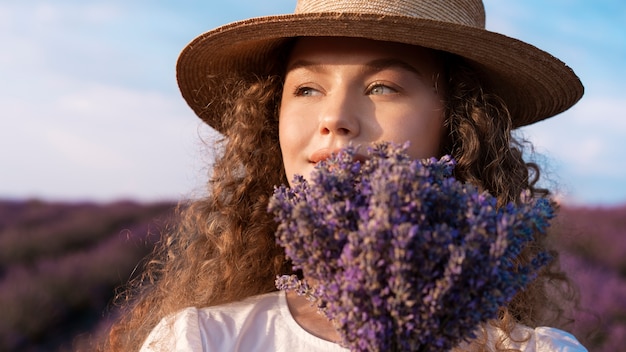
column 403, row 256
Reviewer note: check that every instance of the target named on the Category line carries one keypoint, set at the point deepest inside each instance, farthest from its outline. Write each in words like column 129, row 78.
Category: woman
column 288, row 90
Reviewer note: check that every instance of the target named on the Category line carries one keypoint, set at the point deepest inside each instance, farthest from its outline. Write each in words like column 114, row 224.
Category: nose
column 340, row 116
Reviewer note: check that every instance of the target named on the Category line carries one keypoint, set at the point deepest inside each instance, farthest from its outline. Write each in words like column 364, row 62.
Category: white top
column 264, row 323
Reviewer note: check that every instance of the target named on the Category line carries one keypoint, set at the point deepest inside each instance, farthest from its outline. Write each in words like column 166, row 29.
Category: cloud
column 589, row 137
column 87, row 113
column 584, row 147
column 98, row 140
column 83, row 152
column 58, row 13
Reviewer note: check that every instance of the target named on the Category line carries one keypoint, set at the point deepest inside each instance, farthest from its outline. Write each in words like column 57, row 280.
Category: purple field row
column 60, row 265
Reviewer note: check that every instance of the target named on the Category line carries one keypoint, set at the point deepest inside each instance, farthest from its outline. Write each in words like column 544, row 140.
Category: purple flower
column 404, row 256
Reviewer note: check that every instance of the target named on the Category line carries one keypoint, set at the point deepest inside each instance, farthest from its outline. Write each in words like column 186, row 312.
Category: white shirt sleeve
column 176, row 333
column 540, row 339
column 551, row 339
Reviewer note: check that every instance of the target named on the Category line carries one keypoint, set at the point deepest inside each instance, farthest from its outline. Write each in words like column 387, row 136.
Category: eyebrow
column 370, row 67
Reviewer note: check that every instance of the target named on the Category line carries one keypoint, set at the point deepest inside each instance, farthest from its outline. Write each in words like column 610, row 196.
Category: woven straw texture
column 534, row 84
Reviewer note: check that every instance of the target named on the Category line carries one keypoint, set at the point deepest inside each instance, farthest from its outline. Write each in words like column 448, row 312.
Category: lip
column 325, row 153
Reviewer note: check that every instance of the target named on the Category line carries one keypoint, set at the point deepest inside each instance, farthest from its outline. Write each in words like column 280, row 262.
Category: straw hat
column 534, row 84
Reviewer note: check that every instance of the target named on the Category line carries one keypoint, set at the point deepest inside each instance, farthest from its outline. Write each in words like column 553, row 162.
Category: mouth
column 325, row 153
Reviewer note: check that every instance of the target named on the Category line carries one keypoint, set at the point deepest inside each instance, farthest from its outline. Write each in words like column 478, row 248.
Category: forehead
column 344, row 50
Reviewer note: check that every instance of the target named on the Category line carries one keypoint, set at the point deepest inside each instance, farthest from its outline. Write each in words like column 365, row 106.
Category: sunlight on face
column 341, row 91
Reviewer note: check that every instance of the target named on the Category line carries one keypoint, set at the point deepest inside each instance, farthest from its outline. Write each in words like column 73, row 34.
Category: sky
column 90, row 109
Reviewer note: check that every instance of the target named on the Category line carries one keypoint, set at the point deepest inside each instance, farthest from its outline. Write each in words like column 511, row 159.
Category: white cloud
column 79, row 114
column 83, row 152
column 59, row 13
column 585, row 150
column 589, row 137
column 100, row 142
column 602, row 112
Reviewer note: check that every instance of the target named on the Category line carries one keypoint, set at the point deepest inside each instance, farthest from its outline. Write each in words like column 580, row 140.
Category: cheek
column 424, row 132
column 296, row 125
column 285, row 137
column 291, row 143
column 288, row 132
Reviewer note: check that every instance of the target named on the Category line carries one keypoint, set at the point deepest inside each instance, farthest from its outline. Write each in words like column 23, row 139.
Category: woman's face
column 341, row 91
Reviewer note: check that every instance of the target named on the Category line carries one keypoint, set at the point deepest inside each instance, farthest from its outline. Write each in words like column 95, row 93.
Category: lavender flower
column 403, row 256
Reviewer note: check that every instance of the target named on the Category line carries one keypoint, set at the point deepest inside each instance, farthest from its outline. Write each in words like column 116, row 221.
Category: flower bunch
column 403, row 256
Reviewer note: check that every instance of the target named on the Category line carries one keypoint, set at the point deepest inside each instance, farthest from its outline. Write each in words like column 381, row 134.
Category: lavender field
column 593, row 246
column 61, row 263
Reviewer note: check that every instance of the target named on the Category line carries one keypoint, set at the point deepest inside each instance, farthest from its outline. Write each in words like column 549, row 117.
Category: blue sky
column 89, row 108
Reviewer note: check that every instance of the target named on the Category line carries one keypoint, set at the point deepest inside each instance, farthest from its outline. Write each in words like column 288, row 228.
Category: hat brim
column 534, row 84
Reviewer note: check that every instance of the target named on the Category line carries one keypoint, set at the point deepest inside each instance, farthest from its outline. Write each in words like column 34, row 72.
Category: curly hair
column 480, row 139
column 223, row 248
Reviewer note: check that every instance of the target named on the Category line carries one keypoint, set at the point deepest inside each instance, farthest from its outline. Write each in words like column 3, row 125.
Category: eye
column 306, row 92
column 380, row 89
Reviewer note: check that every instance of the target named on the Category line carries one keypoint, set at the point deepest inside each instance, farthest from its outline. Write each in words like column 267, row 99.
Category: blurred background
column 97, row 146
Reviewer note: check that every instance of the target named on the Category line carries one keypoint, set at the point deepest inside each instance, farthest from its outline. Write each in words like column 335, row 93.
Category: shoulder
column 552, row 339
column 259, row 323
column 541, row 339
column 210, row 328
column 175, row 332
